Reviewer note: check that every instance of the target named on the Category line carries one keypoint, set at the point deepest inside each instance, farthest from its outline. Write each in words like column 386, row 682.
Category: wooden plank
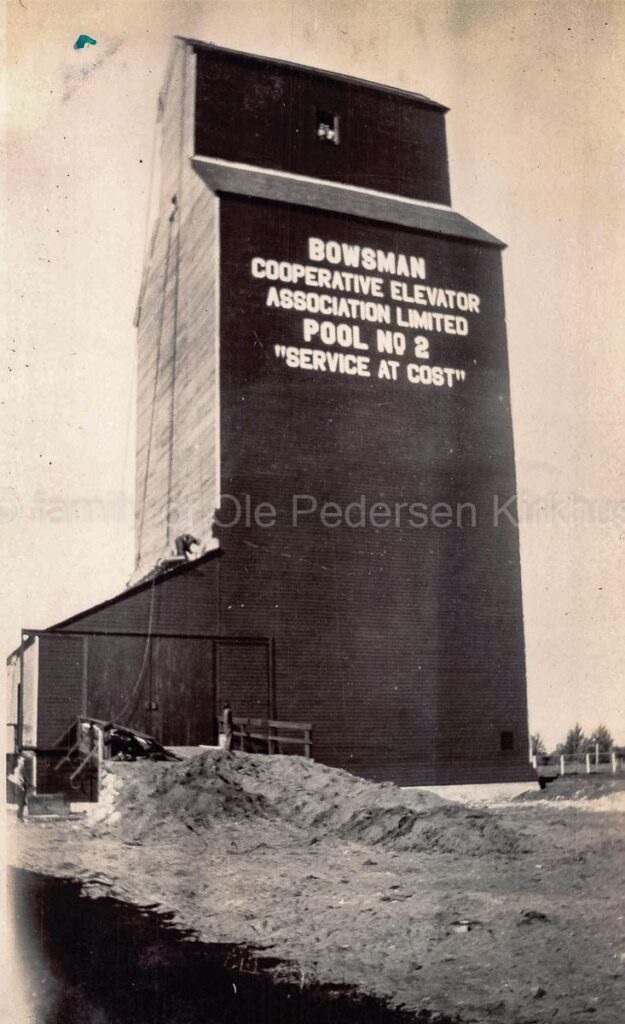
column 298, row 740
column 251, row 735
column 306, row 726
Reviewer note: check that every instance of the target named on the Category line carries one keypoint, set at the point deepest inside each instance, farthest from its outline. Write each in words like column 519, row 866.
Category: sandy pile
column 217, row 787
column 596, row 788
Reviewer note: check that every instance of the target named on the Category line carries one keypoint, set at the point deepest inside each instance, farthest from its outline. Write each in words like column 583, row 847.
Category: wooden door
column 243, row 676
column 182, row 698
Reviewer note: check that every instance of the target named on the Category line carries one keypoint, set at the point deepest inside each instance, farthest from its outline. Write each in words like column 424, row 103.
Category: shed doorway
column 243, row 675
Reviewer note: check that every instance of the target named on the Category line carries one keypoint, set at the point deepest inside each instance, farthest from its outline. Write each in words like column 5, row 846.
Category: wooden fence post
column 596, row 755
column 587, row 764
column 613, row 761
column 100, row 760
column 561, row 764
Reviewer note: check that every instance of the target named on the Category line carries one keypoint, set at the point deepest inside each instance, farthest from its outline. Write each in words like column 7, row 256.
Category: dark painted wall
column 169, row 679
column 61, row 686
column 161, row 685
column 403, row 645
column 155, row 681
column 254, row 111
column 243, row 673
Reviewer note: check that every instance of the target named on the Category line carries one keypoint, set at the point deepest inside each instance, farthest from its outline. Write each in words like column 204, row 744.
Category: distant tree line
column 576, row 743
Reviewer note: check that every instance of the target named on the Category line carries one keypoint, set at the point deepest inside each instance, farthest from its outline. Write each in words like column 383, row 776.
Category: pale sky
column 536, row 140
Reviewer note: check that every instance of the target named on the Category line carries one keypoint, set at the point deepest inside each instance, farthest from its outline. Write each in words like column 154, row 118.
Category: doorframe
column 243, row 641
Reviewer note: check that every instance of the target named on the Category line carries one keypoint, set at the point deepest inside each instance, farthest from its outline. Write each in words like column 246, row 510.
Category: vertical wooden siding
column 62, row 685
column 177, row 476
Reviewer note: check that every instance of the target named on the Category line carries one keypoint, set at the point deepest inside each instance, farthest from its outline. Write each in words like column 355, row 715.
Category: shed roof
column 222, row 176
column 151, row 581
column 419, row 97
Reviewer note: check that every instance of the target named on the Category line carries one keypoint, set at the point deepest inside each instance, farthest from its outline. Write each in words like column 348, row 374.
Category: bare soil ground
column 510, row 914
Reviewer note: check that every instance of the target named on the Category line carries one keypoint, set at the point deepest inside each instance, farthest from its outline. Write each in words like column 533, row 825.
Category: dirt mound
column 576, row 787
column 198, row 793
column 454, row 829
column 217, row 787
column 330, row 801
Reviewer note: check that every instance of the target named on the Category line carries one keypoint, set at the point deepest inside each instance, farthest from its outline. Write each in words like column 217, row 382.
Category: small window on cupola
column 327, row 127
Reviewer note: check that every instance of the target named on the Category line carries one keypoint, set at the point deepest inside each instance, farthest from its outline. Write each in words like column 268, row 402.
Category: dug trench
column 234, row 886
